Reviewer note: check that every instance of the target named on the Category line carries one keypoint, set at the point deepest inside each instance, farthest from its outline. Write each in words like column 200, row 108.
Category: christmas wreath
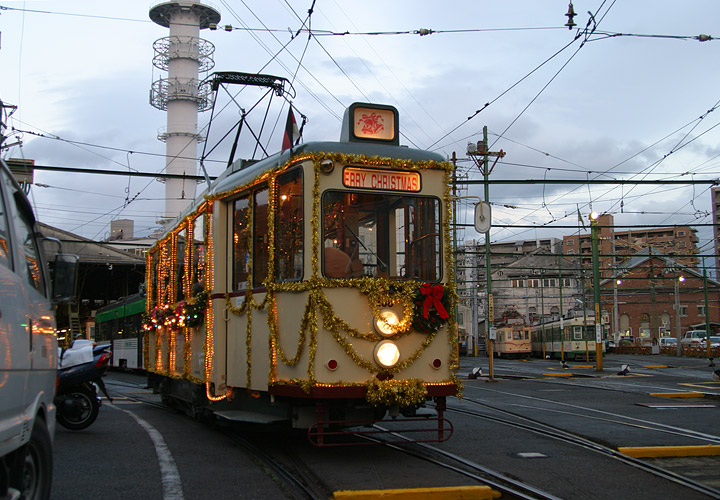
column 186, row 313
column 431, row 308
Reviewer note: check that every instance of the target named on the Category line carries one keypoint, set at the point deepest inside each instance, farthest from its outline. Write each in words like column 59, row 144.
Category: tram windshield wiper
column 383, row 266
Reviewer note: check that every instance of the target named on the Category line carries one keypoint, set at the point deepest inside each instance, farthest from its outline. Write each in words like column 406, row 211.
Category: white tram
column 567, row 338
column 312, row 289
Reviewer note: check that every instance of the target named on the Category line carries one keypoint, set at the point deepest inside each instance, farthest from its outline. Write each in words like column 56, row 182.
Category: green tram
column 120, row 324
column 566, row 338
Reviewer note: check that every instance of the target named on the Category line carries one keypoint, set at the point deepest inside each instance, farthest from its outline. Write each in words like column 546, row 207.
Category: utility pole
column 596, row 291
column 482, row 150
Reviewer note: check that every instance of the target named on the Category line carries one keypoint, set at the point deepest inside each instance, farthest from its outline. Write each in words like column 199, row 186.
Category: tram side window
column 199, row 254
column 261, row 255
column 577, row 332
column 164, row 277
column 180, row 266
column 153, row 279
column 241, row 243
column 289, row 227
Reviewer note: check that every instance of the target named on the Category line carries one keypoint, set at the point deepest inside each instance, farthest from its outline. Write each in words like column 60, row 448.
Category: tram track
column 549, row 431
column 510, row 487
column 297, row 482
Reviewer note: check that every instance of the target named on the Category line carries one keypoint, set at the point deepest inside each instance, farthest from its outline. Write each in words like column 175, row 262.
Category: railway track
column 537, row 427
column 510, row 488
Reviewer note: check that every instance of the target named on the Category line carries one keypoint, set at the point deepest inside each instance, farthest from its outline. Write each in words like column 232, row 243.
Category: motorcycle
column 80, row 371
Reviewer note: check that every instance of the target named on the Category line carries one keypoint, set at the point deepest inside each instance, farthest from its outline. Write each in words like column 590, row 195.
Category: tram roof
column 240, row 172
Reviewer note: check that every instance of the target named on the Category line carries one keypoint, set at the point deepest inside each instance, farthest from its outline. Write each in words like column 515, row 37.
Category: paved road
column 139, row 451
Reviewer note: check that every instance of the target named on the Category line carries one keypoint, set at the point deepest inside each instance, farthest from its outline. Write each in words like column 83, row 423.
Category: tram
column 313, row 289
column 512, row 341
column 120, row 324
column 571, row 338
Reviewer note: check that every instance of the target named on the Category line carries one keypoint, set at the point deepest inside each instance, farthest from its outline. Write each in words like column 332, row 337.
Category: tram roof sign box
column 364, row 122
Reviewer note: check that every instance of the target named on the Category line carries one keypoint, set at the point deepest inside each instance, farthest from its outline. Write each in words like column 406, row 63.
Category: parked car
column 668, row 342
column 693, row 337
column 28, row 364
column 714, row 341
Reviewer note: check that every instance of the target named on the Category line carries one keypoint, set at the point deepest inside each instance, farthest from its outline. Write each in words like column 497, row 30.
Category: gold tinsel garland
column 401, row 392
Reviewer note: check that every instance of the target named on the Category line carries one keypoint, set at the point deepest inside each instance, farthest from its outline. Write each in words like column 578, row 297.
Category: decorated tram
column 313, row 289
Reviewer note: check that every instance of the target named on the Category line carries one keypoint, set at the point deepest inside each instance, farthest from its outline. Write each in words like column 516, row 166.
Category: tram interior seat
column 338, row 264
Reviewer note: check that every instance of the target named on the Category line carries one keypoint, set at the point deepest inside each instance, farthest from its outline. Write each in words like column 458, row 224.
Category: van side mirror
column 64, row 277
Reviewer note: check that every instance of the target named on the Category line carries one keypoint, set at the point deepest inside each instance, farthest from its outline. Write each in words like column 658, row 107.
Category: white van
column 693, row 337
column 28, row 349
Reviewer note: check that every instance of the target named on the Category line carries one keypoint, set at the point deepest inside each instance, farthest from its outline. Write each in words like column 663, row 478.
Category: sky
column 629, row 94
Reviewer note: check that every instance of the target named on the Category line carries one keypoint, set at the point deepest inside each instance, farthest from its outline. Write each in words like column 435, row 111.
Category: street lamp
column 596, row 289
column 678, row 334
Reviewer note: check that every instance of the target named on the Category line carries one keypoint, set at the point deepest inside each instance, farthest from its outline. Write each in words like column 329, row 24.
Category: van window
column 31, row 271
column 5, row 255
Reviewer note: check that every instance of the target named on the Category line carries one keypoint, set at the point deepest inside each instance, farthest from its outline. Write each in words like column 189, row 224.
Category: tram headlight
column 386, row 322
column 387, row 353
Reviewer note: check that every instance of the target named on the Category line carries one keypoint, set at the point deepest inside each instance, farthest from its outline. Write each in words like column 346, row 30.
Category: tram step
column 250, row 417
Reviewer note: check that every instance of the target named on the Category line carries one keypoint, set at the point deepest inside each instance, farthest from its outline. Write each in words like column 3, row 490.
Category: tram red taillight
column 436, row 363
column 332, row 364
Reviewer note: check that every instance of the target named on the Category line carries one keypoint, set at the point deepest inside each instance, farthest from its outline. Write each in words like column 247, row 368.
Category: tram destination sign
column 391, row 180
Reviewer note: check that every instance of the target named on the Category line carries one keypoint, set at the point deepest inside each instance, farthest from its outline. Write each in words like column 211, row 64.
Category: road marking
column 172, row 487
column 670, row 451
column 438, row 493
column 678, row 394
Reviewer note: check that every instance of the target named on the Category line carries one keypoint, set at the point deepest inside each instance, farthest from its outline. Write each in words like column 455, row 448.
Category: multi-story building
column 679, row 242
column 537, row 287
column 715, row 193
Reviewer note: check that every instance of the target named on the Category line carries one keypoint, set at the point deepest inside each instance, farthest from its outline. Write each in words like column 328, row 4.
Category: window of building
column 571, row 252
column 683, row 311
column 701, row 309
column 681, row 234
column 570, row 242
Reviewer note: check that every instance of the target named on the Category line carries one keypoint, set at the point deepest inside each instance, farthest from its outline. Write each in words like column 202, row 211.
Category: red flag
column 291, row 131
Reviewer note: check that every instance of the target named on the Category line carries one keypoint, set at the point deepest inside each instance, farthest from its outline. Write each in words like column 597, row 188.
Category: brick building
column 646, row 289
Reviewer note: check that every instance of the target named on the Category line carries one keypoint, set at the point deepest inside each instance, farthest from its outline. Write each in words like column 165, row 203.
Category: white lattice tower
column 184, row 55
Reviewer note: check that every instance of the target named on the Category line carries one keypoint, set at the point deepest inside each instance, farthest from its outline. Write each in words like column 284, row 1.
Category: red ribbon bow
column 433, row 294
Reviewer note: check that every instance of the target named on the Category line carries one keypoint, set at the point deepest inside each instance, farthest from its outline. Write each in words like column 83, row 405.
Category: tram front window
column 392, row 236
